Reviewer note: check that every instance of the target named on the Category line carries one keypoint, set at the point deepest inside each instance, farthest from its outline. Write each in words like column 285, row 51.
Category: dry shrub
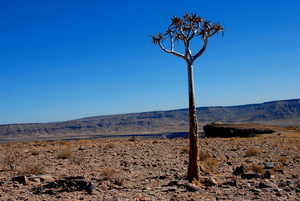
column 66, row 152
column 32, row 168
column 251, row 152
column 38, row 142
column 282, row 159
column 119, row 180
column 82, row 140
column 63, row 142
column 255, row 169
column 77, row 160
column 52, row 142
column 109, row 172
column 112, row 175
column 210, row 165
column 109, row 146
column 8, row 144
column 204, row 156
column 185, row 150
column 35, row 152
column 11, row 158
column 278, row 168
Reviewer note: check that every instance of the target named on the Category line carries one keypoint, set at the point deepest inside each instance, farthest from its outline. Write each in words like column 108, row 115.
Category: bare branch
column 172, row 52
column 202, row 49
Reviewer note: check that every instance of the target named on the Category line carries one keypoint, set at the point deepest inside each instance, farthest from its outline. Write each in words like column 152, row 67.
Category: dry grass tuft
column 278, row 168
column 109, row 172
column 77, row 160
column 185, row 150
column 112, row 175
column 251, row 152
column 209, row 164
column 38, row 142
column 32, row 168
column 204, row 156
column 66, row 152
column 63, row 142
column 282, row 159
column 35, row 152
column 11, row 159
column 255, row 169
column 109, row 146
column 83, row 140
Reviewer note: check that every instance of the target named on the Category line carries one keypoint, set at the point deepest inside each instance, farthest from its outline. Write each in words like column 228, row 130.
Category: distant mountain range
column 279, row 113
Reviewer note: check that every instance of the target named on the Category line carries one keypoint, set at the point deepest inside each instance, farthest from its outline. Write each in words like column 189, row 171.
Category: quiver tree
column 185, row 30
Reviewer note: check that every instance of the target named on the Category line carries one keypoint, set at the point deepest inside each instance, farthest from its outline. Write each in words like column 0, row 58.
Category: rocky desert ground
column 257, row 168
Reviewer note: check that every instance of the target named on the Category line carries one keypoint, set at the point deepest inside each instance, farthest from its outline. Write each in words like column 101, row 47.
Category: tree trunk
column 193, row 167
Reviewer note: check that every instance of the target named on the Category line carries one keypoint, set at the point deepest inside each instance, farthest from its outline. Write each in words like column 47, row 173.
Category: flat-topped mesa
column 216, row 129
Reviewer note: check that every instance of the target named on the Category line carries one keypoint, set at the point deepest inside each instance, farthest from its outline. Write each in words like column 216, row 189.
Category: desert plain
column 256, row 168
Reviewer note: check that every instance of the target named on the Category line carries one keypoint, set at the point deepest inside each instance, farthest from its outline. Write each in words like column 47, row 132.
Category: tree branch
column 202, row 49
column 172, row 42
column 172, row 52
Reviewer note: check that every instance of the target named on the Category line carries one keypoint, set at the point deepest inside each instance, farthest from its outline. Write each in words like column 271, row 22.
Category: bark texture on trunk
column 193, row 167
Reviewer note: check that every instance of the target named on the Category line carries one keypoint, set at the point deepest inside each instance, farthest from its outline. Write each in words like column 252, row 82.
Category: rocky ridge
column 280, row 113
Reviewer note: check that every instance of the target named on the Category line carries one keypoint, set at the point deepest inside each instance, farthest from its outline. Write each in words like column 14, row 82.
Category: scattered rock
column 182, row 182
column 20, row 179
column 249, row 175
column 239, row 170
column 282, row 183
column 66, row 184
column 133, row 139
column 263, row 185
column 268, row 165
column 192, row 187
column 157, row 171
column 210, row 181
column 267, row 175
column 230, row 183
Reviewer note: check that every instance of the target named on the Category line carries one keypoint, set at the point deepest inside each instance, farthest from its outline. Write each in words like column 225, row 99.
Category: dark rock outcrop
column 216, row 129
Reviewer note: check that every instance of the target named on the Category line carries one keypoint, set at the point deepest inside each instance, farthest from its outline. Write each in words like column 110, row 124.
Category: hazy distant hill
column 281, row 113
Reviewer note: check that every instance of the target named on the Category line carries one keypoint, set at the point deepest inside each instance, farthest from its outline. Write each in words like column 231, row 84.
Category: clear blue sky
column 68, row 59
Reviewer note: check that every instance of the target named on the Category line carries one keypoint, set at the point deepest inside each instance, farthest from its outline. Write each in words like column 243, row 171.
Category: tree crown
column 185, row 29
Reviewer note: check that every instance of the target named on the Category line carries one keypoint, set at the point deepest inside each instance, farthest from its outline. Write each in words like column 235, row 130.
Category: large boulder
column 216, row 129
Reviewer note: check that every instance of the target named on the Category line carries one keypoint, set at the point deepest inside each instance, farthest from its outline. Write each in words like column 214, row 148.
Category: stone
column 210, row 182
column 133, row 139
column 263, row 185
column 216, row 129
column 282, row 183
column 267, row 175
column 182, row 182
column 249, row 175
column 20, row 179
column 192, row 187
column 268, row 165
column 255, row 190
column 230, row 183
column 239, row 170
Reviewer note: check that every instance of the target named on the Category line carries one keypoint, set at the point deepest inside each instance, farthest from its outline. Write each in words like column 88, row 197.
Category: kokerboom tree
column 185, row 30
